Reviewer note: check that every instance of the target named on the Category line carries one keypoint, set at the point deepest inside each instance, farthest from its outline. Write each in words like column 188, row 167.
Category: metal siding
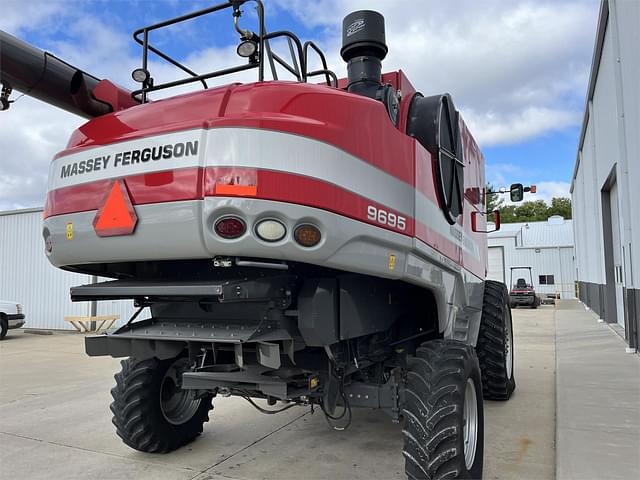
column 568, row 272
column 605, row 114
column 604, row 145
column 537, row 234
column 541, row 234
column 554, row 256
column 495, row 264
column 579, row 222
column 27, row 277
column 592, row 262
column 123, row 308
column 628, row 31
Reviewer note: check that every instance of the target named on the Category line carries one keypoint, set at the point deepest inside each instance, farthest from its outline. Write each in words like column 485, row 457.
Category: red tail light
column 230, row 227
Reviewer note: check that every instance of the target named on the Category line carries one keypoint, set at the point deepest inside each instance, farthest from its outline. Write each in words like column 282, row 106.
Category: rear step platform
column 224, row 290
column 124, row 289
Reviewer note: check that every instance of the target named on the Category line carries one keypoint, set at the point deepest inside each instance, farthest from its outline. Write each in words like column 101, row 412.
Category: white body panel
column 184, row 229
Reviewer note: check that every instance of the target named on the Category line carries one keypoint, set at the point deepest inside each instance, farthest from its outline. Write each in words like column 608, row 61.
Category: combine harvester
column 309, row 244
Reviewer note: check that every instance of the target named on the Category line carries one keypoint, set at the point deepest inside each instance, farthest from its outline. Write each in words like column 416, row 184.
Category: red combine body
column 317, row 244
column 261, row 136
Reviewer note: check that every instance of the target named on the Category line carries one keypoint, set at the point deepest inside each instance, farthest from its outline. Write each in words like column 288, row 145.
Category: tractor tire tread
column 491, row 343
column 434, row 394
column 136, row 411
column 4, row 326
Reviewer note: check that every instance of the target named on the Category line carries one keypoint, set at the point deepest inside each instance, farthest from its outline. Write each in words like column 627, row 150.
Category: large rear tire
column 4, row 326
column 536, row 302
column 443, row 415
column 151, row 412
column 495, row 343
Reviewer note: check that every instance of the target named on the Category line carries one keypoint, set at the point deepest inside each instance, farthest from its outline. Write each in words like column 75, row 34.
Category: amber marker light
column 307, row 235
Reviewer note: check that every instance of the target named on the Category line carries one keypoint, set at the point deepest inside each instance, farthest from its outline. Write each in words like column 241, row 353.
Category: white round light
column 140, row 75
column 247, row 48
column 271, row 230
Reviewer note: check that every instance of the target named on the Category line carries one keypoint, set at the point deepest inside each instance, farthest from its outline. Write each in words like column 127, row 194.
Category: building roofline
column 21, row 210
column 543, row 247
column 507, row 234
column 603, row 20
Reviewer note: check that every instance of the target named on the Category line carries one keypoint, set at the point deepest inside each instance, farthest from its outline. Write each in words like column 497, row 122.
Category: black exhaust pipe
column 41, row 75
column 363, row 48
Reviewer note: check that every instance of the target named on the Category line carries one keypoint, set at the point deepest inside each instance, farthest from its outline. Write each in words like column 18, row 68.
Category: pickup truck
column 11, row 316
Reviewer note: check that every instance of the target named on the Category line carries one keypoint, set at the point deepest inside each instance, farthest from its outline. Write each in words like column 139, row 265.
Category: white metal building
column 607, row 171
column 27, row 277
column 547, row 247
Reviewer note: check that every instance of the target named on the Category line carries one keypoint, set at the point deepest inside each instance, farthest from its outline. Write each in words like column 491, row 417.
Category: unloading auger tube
column 41, row 75
column 304, row 245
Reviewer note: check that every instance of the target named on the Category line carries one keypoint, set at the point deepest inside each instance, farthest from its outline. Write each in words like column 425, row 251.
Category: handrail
column 291, row 37
column 298, row 51
column 197, row 78
column 325, row 69
column 144, row 42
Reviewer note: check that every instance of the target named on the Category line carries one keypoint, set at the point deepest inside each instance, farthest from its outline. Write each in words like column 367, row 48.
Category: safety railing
column 254, row 47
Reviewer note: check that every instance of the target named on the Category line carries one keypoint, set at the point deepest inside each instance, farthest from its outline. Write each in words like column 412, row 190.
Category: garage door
column 496, row 264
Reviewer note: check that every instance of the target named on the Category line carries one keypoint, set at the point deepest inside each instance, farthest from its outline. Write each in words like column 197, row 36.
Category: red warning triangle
column 117, row 215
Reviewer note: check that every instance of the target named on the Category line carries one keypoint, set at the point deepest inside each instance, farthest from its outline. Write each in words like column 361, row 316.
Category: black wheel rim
column 177, row 405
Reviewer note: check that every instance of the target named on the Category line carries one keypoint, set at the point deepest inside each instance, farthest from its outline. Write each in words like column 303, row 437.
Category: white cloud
column 18, row 15
column 548, row 190
column 516, row 69
column 33, row 132
column 502, row 128
column 30, row 135
column 501, row 175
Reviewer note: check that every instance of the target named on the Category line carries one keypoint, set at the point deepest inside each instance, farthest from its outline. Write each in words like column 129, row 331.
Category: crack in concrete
column 208, row 469
column 57, row 444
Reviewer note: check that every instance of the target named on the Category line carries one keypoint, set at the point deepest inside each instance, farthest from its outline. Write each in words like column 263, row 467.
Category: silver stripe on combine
column 254, row 148
column 271, row 150
column 55, row 170
column 429, row 213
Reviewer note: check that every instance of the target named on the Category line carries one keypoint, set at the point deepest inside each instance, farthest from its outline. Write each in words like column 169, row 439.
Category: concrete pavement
column 55, row 423
column 598, row 390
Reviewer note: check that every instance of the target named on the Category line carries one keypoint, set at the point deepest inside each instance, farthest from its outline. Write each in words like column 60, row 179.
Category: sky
column 516, row 69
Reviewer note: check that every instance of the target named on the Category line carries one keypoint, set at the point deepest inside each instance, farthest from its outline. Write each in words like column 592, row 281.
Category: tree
column 531, row 211
column 508, row 214
column 535, row 211
column 560, row 206
column 494, row 201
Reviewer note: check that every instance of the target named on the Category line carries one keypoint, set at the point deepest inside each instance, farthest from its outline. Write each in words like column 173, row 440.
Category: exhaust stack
column 363, row 48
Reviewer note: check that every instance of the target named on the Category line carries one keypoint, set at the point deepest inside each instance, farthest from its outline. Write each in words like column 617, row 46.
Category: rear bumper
column 16, row 320
column 184, row 230
column 522, row 300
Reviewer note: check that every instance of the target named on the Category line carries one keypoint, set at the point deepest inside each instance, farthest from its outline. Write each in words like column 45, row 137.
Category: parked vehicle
column 523, row 293
column 314, row 244
column 11, row 316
